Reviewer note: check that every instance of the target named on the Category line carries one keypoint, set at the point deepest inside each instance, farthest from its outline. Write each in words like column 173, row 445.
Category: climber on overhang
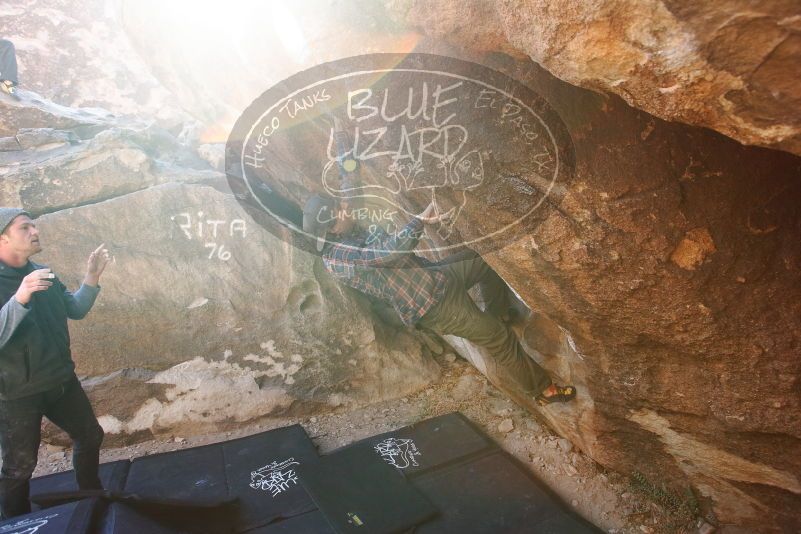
column 426, row 295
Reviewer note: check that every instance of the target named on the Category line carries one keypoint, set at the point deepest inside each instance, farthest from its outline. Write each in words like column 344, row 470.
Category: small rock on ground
column 506, row 426
column 500, row 407
column 466, row 388
column 533, row 426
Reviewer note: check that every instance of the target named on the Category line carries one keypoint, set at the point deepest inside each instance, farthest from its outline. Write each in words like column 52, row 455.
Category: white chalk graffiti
column 275, row 477
column 205, row 228
column 290, row 109
column 201, row 227
column 398, row 453
column 26, row 526
column 427, row 158
column 430, row 130
column 219, row 251
column 294, row 106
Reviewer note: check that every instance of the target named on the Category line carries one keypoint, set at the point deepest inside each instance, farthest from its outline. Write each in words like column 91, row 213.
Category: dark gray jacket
column 34, row 339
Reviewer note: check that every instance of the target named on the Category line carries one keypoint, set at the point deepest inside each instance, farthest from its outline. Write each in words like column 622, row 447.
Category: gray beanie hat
column 9, row 214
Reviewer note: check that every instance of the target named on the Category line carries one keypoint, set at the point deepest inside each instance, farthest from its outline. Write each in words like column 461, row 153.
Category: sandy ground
column 605, row 498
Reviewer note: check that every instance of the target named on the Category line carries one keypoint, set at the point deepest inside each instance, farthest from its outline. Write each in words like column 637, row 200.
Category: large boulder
column 33, row 111
column 664, row 275
column 86, row 156
column 727, row 65
column 665, row 272
column 143, row 58
column 215, row 84
column 212, row 320
column 666, row 283
column 74, row 53
column 205, row 320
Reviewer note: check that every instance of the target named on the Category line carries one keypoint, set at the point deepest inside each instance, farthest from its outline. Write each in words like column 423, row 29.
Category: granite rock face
column 665, row 282
column 73, row 53
column 205, row 319
column 731, row 66
column 665, row 272
column 725, row 65
column 664, row 276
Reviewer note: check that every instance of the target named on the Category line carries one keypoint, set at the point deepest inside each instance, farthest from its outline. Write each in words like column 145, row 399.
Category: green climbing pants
column 456, row 314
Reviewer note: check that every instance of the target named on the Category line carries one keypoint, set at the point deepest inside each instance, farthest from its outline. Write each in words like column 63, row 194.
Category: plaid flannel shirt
column 385, row 267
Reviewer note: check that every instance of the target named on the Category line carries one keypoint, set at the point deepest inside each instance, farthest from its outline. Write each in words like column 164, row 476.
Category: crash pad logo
column 398, row 452
column 26, row 526
column 384, row 135
column 276, row 477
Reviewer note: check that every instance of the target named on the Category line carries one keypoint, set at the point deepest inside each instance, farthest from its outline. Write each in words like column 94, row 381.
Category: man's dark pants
column 456, row 314
column 8, row 61
column 20, row 431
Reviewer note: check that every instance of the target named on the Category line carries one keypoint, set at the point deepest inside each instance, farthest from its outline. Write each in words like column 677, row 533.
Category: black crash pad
column 476, row 486
column 131, row 517
column 493, row 494
column 566, row 523
column 311, row 522
column 358, row 492
column 195, row 517
column 122, row 519
column 73, row 518
column 429, row 444
column 260, row 471
column 443, row 465
column 112, row 476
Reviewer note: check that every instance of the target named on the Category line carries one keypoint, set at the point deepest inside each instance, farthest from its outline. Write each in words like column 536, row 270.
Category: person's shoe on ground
column 554, row 393
column 8, row 88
